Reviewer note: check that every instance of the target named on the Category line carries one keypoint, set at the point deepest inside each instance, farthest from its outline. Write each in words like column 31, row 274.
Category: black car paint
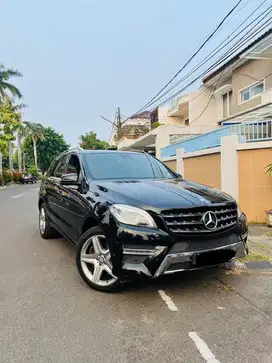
column 72, row 210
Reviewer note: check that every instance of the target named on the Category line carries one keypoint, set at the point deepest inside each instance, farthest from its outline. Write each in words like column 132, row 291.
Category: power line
column 215, row 51
column 226, row 56
column 196, row 52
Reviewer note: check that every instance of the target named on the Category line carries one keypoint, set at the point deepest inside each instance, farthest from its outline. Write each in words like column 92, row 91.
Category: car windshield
column 122, row 165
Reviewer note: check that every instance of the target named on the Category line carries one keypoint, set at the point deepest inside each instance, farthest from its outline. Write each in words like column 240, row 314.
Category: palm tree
column 35, row 130
column 21, row 133
column 7, row 88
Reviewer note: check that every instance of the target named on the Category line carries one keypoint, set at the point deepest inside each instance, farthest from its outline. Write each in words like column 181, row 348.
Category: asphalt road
column 48, row 314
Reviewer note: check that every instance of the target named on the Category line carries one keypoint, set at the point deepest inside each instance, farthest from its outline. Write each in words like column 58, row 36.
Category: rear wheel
column 46, row 230
column 93, row 260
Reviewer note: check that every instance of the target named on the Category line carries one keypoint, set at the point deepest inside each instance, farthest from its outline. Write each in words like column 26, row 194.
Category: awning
column 257, row 114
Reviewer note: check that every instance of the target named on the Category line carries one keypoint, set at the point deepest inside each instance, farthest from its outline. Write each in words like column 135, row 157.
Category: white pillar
column 162, row 139
column 229, row 165
column 180, row 161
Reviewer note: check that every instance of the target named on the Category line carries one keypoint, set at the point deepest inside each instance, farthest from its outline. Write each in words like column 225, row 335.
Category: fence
column 238, row 169
column 247, row 132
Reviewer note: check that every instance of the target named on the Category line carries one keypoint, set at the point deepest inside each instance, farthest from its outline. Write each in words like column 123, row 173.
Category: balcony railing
column 247, row 132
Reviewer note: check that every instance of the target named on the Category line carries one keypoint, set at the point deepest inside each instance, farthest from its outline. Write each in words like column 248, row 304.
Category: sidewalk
column 260, row 240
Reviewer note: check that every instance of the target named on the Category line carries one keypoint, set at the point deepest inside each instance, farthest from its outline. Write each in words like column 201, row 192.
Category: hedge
column 10, row 177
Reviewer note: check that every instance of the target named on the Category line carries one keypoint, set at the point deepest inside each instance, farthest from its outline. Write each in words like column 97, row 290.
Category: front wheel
column 93, row 259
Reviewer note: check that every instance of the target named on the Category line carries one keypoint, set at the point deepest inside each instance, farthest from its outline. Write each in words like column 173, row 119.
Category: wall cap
column 255, row 145
column 170, row 158
column 192, row 154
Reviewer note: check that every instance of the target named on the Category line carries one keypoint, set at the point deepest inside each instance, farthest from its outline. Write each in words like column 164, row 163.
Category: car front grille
column 191, row 220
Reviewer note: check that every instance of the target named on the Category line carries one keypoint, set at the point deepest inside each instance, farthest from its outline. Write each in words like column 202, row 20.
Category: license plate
column 214, row 257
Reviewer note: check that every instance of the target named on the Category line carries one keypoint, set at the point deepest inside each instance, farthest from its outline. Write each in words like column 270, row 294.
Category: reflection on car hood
column 159, row 194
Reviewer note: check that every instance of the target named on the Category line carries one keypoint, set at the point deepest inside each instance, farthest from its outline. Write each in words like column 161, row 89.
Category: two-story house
column 240, row 90
column 131, row 129
column 244, row 89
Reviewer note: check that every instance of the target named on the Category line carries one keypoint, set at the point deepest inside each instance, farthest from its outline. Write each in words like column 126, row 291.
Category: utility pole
column 117, row 122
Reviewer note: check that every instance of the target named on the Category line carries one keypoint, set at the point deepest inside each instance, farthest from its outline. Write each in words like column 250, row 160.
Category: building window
column 252, row 91
column 187, row 122
column 227, row 102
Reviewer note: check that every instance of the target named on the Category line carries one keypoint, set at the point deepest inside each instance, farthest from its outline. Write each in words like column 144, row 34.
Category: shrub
column 16, row 176
column 155, row 125
column 7, row 176
column 269, row 169
column 33, row 170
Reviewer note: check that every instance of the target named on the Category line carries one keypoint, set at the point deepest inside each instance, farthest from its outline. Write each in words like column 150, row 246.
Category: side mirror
column 70, row 179
column 179, row 175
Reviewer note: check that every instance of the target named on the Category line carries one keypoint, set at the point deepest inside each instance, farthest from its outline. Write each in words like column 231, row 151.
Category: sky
column 82, row 59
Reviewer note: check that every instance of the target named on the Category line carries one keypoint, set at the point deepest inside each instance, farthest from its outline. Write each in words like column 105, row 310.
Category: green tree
column 53, row 144
column 36, row 132
column 90, row 142
column 6, row 88
column 10, row 119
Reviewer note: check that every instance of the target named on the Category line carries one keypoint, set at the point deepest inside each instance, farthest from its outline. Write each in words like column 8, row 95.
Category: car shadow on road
column 183, row 281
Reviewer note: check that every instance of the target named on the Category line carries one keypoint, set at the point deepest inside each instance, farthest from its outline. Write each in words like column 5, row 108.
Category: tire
column 96, row 259
column 46, row 230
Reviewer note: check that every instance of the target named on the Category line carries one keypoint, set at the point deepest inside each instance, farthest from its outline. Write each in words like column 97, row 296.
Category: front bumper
column 152, row 253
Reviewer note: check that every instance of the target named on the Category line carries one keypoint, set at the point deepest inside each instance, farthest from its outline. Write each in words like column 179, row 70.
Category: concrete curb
column 251, row 265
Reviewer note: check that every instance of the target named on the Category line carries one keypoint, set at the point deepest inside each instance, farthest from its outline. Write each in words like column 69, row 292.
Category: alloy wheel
column 95, row 259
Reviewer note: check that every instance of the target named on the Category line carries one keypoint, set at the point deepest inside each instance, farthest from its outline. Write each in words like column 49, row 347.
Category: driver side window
column 73, row 166
column 61, row 167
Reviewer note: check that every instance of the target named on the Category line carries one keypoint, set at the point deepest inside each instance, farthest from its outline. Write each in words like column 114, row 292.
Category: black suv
column 131, row 216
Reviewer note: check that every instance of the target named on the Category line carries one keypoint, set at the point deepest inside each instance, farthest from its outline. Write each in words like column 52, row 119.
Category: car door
column 73, row 204
column 54, row 191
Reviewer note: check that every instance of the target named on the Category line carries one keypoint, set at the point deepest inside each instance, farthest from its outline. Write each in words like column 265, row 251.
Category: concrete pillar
column 180, row 161
column 229, row 165
column 162, row 139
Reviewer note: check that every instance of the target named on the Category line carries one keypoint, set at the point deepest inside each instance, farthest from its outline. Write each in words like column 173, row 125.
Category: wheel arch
column 89, row 222
column 41, row 201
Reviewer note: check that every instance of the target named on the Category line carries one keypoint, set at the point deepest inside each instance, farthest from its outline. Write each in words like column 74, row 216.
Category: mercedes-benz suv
column 131, row 216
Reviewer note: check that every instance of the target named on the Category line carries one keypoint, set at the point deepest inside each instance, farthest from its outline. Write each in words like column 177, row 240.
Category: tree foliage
column 89, row 141
column 10, row 120
column 53, row 144
column 36, row 132
column 7, row 89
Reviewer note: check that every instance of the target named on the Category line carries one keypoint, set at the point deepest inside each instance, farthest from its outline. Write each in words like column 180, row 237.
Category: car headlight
column 134, row 216
column 239, row 210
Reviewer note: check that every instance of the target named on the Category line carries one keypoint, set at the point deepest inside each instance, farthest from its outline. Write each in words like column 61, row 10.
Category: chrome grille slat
column 190, row 220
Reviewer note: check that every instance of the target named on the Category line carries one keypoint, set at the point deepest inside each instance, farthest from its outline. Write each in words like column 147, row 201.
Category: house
column 164, row 129
column 243, row 85
column 234, row 157
column 131, row 129
column 240, row 90
column 237, row 92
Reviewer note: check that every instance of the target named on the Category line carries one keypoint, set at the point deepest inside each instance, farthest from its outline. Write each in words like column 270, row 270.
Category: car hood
column 157, row 194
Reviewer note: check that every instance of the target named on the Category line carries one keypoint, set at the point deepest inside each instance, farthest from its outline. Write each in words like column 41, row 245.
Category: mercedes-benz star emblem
column 209, row 220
